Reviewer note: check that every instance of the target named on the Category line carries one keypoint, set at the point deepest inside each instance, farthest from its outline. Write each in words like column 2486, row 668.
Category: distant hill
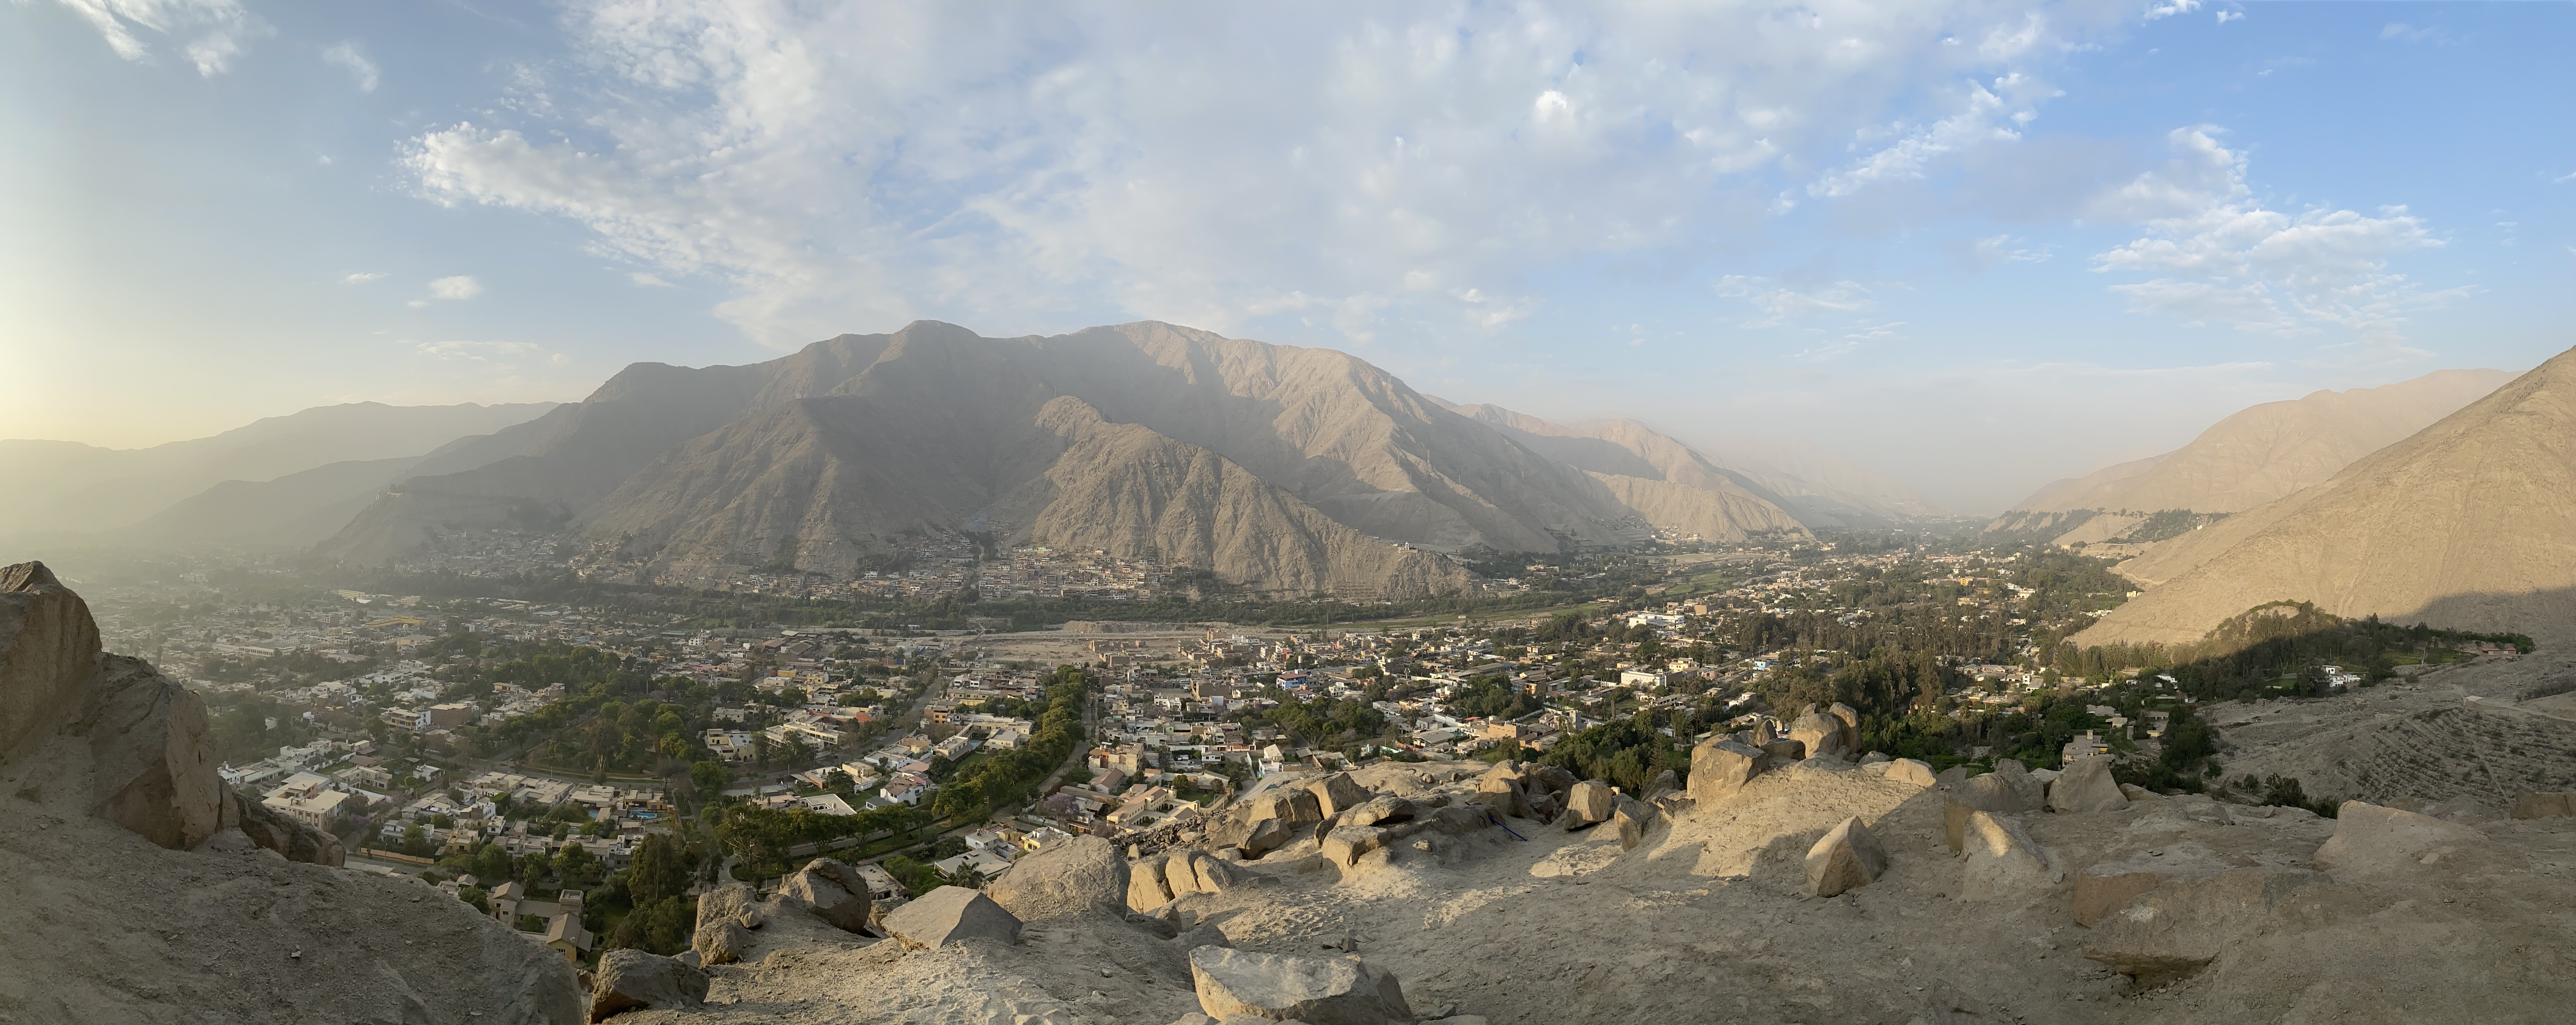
column 84, row 489
column 2468, row 524
column 2267, row 451
column 1827, row 493
column 1281, row 469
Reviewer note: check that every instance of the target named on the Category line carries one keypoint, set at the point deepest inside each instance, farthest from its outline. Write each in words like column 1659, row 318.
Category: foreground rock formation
column 142, row 890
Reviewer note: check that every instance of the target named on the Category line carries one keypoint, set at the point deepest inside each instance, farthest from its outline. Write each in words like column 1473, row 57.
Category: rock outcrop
column 835, row 893
column 1721, row 766
column 2086, row 786
column 1067, row 877
column 2372, row 840
column 726, row 916
column 2002, row 860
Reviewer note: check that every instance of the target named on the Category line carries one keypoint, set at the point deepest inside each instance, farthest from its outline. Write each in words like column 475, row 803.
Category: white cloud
column 219, row 27
column 1780, row 305
column 2223, row 257
column 462, row 286
column 362, row 277
column 1098, row 162
column 645, row 280
column 1996, row 250
column 353, row 57
column 2170, row 8
column 2227, row 16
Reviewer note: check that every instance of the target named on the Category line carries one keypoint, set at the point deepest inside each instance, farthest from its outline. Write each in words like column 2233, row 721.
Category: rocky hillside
column 2266, row 452
column 815, row 461
column 143, row 890
column 1764, row 887
column 2470, row 523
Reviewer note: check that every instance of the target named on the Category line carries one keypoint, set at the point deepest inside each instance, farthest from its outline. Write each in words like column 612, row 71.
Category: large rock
column 1720, row 767
column 1067, row 877
column 1502, row 794
column 1316, row 990
column 1591, row 802
column 2106, row 887
column 1344, row 846
column 1554, row 778
column 2002, row 860
column 2371, row 840
column 1910, row 771
column 2086, row 786
column 1146, row 889
column 1821, row 734
column 1851, row 724
column 835, row 893
column 1338, row 793
column 291, row 838
column 630, row 980
column 2184, row 923
column 1379, row 811
column 951, row 914
column 2001, row 792
column 48, row 655
column 1634, row 818
column 726, row 916
column 152, row 755
column 1846, row 858
column 1295, row 807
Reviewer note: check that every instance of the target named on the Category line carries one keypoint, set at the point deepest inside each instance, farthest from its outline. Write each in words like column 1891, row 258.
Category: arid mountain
column 2470, row 523
column 2268, row 451
column 297, row 510
column 88, row 489
column 819, row 460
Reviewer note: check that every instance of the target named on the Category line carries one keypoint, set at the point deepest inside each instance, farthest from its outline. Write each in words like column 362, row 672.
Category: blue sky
column 1977, row 245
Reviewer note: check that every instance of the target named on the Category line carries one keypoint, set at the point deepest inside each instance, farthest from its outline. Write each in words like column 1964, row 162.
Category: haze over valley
column 677, row 512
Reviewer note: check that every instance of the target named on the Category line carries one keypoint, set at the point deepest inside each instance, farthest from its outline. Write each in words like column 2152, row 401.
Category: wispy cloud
column 353, row 57
column 362, row 277
column 217, row 28
column 505, row 355
column 1779, row 304
column 462, row 286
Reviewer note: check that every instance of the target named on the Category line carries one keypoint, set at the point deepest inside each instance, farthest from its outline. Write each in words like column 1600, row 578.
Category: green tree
column 709, row 777
column 660, row 870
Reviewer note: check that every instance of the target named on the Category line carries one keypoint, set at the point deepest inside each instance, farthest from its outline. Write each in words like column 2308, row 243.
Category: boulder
column 1591, row 801
column 1665, row 782
column 1907, row 770
column 1722, row 767
column 1460, row 819
column 1380, row 810
column 1503, row 795
column 2136, row 793
column 1952, row 776
column 1265, row 836
column 2001, row 859
column 1344, row 845
column 1785, row 750
column 2372, row 840
column 1822, row 734
column 1994, row 792
column 1179, row 876
column 1633, row 817
column 1851, row 724
column 630, row 980
column 726, row 916
column 1067, row 877
column 834, row 892
column 1338, row 793
column 1874, row 758
column 1295, row 807
column 2534, row 805
column 1318, row 990
column 1146, row 889
column 48, row 655
column 951, row 914
column 152, row 754
column 2182, row 924
column 291, row 838
column 2086, row 786
column 2106, row 887
column 1846, row 858
column 1556, row 779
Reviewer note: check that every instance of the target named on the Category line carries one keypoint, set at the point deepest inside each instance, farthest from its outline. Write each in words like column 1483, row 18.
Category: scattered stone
column 2086, row 786
column 837, row 894
column 1320, row 990
column 2372, row 840
column 951, row 914
column 630, row 980
column 1846, row 858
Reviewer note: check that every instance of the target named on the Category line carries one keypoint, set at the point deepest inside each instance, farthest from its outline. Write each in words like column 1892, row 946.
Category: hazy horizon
column 1975, row 248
